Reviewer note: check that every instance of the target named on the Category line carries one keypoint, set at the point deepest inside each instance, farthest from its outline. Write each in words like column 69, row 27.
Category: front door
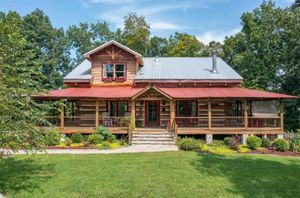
column 152, row 113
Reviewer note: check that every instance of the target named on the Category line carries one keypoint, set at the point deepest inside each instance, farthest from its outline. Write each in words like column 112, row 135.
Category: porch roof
column 176, row 93
column 91, row 92
column 228, row 92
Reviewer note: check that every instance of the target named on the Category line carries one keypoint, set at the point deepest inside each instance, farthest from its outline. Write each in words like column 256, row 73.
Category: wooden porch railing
column 86, row 121
column 228, row 122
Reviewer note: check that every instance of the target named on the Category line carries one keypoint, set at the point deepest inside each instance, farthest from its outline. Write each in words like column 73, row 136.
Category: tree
column 214, row 48
column 136, row 33
column 158, row 47
column 19, row 79
column 182, row 44
column 50, row 46
column 266, row 53
column 80, row 39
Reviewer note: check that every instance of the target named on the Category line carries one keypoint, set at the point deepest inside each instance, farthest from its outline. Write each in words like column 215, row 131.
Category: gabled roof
column 185, row 68
column 169, row 68
column 88, row 54
column 80, row 73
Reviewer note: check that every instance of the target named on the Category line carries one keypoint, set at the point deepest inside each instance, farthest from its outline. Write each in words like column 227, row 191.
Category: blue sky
column 206, row 19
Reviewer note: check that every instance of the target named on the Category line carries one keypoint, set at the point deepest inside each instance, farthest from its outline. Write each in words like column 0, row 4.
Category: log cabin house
column 117, row 88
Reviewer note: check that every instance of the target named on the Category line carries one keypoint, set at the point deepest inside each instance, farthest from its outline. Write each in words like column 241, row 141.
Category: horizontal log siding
column 121, row 56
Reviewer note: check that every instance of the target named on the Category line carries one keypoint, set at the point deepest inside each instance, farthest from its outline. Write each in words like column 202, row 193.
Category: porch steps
column 146, row 136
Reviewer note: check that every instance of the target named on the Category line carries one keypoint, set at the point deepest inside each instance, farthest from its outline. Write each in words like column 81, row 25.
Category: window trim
column 114, row 78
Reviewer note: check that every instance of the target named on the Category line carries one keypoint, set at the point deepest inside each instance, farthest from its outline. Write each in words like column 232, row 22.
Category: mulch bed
column 271, row 151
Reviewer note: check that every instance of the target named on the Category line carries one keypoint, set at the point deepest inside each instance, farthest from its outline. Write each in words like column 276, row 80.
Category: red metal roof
column 229, row 92
column 180, row 93
column 92, row 92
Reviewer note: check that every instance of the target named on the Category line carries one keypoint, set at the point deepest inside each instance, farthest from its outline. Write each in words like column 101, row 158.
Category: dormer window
column 114, row 72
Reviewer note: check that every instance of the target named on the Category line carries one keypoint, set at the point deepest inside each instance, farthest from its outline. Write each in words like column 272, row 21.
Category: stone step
column 153, row 139
column 149, row 135
column 153, row 130
column 152, row 143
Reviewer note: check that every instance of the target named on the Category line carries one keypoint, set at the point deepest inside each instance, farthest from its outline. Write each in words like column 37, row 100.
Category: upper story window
column 114, row 72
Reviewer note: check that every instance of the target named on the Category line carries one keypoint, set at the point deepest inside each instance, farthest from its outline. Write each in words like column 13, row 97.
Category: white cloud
column 164, row 26
column 219, row 36
column 116, row 15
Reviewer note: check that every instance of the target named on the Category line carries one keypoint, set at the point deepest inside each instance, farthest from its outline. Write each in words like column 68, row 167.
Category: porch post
column 62, row 116
column 133, row 113
column 172, row 111
column 132, row 121
column 97, row 113
column 209, row 114
column 281, row 116
column 246, row 114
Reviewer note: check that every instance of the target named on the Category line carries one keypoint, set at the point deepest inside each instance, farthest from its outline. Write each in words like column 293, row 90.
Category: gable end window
column 114, row 72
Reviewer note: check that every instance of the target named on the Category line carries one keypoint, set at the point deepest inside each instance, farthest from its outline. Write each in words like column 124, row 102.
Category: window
column 117, row 108
column 114, row 72
column 186, row 108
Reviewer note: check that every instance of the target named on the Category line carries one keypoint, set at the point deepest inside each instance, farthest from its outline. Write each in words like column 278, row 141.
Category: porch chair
column 106, row 119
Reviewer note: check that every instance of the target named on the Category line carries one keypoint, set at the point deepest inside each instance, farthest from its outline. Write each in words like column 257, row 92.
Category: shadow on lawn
column 22, row 175
column 253, row 177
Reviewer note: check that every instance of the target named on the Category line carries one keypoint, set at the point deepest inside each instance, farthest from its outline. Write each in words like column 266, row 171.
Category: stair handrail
column 172, row 129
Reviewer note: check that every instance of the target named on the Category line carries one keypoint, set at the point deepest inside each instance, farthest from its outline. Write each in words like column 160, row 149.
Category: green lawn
column 169, row 174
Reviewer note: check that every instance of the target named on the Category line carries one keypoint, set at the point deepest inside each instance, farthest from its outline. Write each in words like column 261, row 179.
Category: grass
column 168, row 174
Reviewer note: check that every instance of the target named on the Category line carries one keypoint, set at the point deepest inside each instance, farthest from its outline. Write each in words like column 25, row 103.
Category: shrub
column 233, row 142
column 105, row 133
column 281, row 145
column 243, row 149
column 265, row 142
column 220, row 150
column 52, row 137
column 298, row 148
column 105, row 145
column 253, row 142
column 227, row 140
column 68, row 141
column 95, row 139
column 294, row 141
column 217, row 143
column 77, row 138
column 189, row 144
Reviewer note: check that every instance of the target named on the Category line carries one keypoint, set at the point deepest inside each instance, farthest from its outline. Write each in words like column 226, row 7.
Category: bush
column 105, row 134
column 227, row 141
column 68, row 141
column 298, row 148
column 253, row 142
column 94, row 139
column 221, row 150
column 281, row 145
column 233, row 142
column 217, row 143
column 265, row 142
column 189, row 144
column 52, row 137
column 294, row 141
column 77, row 138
